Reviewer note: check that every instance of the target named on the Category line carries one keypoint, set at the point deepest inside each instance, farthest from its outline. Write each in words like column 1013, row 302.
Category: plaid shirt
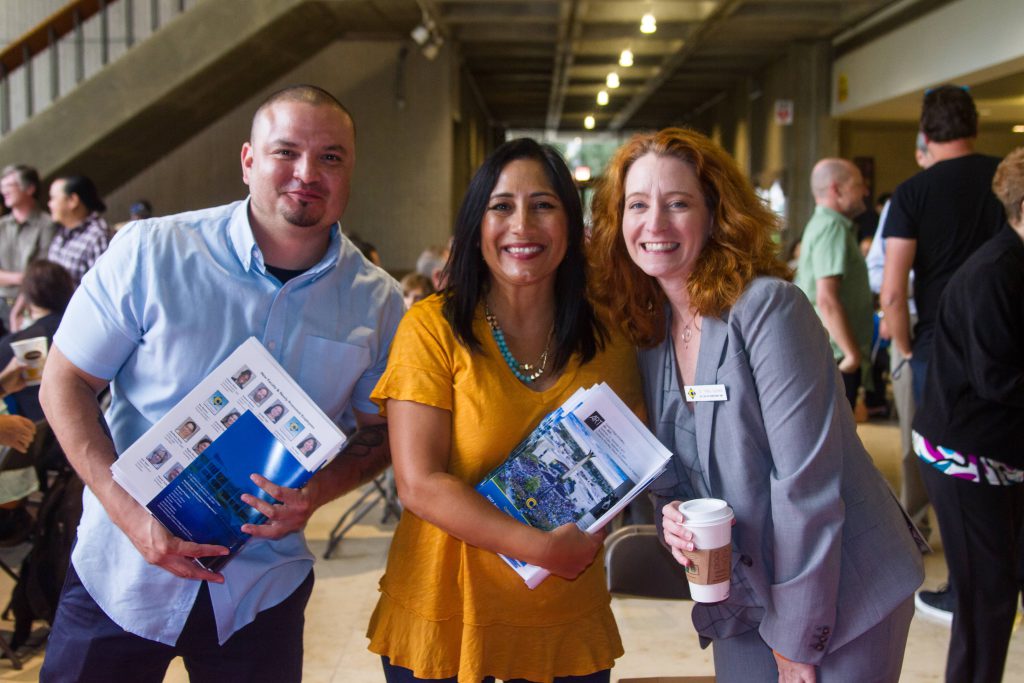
column 78, row 248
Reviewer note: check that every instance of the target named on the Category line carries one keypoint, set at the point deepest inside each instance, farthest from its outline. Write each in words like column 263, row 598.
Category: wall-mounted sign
column 784, row 112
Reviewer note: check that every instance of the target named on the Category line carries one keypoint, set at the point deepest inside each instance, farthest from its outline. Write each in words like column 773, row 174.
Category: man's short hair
column 26, row 176
column 308, row 94
column 1008, row 184
column 948, row 113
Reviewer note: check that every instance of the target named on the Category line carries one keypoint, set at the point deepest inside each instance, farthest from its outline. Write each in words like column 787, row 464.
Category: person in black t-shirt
column 968, row 435
column 936, row 220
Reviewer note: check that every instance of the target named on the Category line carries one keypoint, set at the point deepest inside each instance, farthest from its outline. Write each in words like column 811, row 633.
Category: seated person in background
column 16, row 432
column 415, row 287
column 46, row 289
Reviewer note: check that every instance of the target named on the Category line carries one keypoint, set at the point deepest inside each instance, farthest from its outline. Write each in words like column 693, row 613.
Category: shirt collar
column 834, row 215
column 248, row 252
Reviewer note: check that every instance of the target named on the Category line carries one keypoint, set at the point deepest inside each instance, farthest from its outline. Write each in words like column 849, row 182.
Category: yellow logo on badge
column 531, row 503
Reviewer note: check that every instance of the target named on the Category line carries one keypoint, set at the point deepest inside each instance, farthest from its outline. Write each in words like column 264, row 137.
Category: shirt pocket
column 330, row 370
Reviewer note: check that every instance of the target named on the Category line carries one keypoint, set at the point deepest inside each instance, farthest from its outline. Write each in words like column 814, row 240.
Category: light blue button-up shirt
column 170, row 299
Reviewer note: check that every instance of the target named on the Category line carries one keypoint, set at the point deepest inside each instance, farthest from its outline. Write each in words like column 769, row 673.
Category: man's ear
column 247, row 159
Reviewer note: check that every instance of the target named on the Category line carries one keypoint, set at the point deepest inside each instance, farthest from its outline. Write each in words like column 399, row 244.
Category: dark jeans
column 85, row 646
column 982, row 529
column 851, row 383
column 399, row 674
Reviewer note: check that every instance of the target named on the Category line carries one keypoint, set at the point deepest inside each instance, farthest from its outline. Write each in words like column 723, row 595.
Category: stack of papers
column 583, row 463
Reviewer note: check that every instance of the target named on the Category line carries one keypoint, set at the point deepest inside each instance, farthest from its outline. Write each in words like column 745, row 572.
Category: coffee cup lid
column 705, row 510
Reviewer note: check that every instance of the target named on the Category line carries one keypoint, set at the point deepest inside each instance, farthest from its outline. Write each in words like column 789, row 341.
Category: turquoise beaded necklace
column 524, row 372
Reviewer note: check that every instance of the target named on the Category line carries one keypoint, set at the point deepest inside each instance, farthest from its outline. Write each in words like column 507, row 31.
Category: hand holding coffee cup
column 11, row 378
column 699, row 533
column 32, row 355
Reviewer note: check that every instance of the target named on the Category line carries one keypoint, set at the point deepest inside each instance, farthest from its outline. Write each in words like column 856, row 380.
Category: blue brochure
column 203, row 503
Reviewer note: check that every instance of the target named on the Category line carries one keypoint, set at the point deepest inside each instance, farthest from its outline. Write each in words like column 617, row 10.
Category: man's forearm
column 11, row 278
column 897, row 319
column 76, row 419
column 833, row 315
column 365, row 456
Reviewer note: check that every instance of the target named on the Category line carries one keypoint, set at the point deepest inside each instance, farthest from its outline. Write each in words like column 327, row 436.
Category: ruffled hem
column 450, row 647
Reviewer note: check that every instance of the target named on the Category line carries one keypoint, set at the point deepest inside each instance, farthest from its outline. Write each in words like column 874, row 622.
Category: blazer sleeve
column 806, row 421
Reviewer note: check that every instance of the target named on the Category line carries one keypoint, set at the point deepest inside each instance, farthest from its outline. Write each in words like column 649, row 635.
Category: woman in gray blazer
column 825, row 562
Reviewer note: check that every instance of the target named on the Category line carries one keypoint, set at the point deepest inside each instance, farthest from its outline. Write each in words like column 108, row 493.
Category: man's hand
column 168, row 552
column 794, row 672
column 293, row 509
column 850, row 363
column 17, row 432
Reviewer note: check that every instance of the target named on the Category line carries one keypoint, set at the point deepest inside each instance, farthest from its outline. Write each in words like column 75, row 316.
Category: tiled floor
column 658, row 636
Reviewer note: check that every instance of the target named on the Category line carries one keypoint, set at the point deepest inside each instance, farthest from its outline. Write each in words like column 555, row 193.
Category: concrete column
column 813, row 134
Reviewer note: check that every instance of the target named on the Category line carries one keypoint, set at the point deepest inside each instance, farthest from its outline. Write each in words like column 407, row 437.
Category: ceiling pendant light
column 612, row 81
column 602, row 98
column 626, row 58
column 589, row 122
column 648, row 24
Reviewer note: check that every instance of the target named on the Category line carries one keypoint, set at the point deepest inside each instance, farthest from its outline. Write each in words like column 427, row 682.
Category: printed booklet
column 191, row 467
column 583, row 463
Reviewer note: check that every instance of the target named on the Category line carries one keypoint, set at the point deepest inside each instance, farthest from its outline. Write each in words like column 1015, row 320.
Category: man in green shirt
column 831, row 270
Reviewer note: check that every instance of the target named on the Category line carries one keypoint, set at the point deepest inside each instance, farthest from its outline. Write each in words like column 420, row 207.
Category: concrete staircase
column 184, row 77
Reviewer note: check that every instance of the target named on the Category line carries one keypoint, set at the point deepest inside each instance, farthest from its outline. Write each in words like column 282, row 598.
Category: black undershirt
column 283, row 274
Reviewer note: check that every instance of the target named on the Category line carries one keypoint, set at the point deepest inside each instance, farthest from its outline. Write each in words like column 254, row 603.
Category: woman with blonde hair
column 682, row 254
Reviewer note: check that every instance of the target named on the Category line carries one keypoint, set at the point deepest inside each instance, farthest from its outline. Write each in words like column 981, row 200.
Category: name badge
column 705, row 392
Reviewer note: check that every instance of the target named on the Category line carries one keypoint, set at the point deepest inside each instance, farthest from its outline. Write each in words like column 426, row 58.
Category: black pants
column 85, row 646
column 399, row 674
column 851, row 384
column 982, row 529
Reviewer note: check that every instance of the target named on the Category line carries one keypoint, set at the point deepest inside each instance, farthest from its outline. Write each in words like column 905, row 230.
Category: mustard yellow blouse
column 447, row 608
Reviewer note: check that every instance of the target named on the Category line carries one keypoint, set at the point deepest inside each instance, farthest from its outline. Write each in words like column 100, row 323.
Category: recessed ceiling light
column 648, row 24
column 581, row 173
column 1018, row 128
column 612, row 81
column 626, row 58
column 602, row 97
column 589, row 122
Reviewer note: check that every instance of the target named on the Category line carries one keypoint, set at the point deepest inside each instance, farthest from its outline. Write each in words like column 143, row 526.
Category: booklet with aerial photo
column 191, row 467
column 583, row 463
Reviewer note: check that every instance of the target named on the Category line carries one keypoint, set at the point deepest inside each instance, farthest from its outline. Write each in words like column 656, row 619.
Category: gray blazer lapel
column 713, row 338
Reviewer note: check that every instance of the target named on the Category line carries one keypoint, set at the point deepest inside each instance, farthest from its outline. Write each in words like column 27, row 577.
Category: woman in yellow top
column 472, row 371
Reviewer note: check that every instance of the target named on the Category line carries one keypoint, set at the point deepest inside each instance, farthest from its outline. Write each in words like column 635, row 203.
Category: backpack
column 41, row 578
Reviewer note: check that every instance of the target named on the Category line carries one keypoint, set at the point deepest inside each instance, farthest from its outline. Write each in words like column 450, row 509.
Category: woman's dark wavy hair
column 577, row 329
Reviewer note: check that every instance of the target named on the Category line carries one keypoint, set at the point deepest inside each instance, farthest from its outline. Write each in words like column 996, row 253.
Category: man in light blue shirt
column 165, row 305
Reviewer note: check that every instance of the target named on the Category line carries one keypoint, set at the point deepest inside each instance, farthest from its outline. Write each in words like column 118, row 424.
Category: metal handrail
column 45, row 36
column 49, row 31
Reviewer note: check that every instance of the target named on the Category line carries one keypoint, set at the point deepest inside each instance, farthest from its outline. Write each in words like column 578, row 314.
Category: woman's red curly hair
column 739, row 249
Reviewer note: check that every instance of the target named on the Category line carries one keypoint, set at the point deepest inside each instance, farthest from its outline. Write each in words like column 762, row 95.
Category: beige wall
column 891, row 144
column 401, row 192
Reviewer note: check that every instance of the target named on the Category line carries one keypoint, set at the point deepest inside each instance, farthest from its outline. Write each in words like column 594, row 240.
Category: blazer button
column 826, row 630
column 745, row 559
column 822, row 639
column 819, row 647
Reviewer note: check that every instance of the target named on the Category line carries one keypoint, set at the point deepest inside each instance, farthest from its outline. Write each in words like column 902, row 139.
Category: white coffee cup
column 31, row 353
column 710, row 522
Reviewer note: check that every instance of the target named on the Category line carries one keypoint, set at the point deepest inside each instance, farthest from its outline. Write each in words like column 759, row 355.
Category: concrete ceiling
column 539, row 64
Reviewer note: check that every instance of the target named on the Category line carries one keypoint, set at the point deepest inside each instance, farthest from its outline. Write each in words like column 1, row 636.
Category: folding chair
column 378, row 491
column 638, row 565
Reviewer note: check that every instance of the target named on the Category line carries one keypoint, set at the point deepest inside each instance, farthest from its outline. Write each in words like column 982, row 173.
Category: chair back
column 638, row 565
